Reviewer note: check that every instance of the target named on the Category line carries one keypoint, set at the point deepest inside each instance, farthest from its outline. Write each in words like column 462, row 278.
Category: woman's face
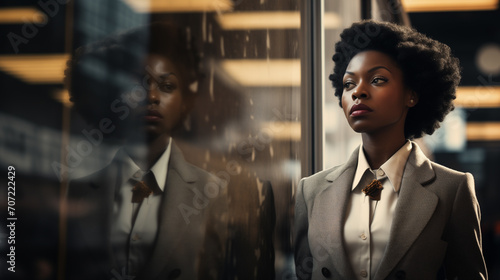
column 165, row 105
column 375, row 98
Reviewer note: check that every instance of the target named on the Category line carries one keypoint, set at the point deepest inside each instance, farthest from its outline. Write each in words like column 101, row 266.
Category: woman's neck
column 378, row 149
column 146, row 153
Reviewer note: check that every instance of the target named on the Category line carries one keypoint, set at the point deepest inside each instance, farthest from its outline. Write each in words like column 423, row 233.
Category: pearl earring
column 411, row 100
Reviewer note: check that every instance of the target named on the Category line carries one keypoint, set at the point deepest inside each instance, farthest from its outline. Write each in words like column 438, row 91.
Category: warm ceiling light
column 263, row 73
column 168, row 6
column 37, row 69
column 483, row 131
column 63, row 97
column 259, row 20
column 283, row 130
column 331, row 21
column 448, row 5
column 270, row 20
column 478, row 97
column 19, row 15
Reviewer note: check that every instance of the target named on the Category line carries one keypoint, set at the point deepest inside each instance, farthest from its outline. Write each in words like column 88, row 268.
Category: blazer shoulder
column 449, row 174
column 317, row 182
column 449, row 182
column 321, row 175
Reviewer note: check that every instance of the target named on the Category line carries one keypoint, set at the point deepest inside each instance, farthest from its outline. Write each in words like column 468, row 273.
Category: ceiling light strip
column 179, row 6
column 21, row 15
column 263, row 73
column 483, row 131
column 270, row 20
column 478, row 97
column 35, row 68
column 448, row 5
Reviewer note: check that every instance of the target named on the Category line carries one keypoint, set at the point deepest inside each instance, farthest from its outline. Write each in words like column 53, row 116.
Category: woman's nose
column 153, row 96
column 359, row 92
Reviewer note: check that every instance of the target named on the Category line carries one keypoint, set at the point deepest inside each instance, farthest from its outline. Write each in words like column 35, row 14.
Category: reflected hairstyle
column 428, row 66
column 99, row 73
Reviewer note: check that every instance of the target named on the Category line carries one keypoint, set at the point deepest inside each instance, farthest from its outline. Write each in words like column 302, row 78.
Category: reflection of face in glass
column 165, row 104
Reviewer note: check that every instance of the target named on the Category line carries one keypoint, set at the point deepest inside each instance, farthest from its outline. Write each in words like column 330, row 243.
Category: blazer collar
column 179, row 187
column 352, row 162
column 180, row 181
column 181, row 166
column 415, row 207
column 334, row 199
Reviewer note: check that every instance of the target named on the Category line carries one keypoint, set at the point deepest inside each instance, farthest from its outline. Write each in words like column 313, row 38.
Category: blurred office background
column 265, row 102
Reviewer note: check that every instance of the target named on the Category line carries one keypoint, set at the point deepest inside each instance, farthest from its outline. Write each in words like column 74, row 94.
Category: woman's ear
column 413, row 99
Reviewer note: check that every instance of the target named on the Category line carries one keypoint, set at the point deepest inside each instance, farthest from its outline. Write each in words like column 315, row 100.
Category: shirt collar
column 159, row 169
column 393, row 167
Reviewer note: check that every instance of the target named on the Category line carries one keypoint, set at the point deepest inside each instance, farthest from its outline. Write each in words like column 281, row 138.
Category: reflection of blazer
column 435, row 230
column 180, row 243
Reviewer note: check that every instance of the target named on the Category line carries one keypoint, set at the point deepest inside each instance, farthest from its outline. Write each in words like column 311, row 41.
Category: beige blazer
column 183, row 250
column 435, row 231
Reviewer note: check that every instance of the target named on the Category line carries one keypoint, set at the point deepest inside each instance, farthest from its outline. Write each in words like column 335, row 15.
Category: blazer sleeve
column 303, row 257
column 464, row 257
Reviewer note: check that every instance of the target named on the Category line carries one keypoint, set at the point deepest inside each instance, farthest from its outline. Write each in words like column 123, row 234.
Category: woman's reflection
column 144, row 215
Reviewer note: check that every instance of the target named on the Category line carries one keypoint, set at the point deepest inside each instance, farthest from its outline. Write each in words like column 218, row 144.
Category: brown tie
column 145, row 188
column 374, row 189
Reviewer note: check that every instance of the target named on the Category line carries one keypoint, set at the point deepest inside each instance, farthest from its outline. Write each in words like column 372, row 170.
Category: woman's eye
column 348, row 85
column 379, row 80
column 167, row 87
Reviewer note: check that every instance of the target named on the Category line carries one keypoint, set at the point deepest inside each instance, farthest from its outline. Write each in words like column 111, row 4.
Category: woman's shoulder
column 445, row 172
column 449, row 182
column 324, row 174
column 441, row 171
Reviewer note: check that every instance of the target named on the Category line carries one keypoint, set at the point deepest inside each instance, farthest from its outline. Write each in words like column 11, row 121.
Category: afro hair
column 98, row 73
column 429, row 69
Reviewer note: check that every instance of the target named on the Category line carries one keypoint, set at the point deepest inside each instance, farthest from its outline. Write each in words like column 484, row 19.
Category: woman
column 149, row 214
column 389, row 212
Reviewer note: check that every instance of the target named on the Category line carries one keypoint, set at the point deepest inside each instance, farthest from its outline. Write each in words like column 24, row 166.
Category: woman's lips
column 152, row 115
column 359, row 110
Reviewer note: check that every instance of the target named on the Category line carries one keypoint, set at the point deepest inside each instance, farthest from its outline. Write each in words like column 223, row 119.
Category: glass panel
column 339, row 139
column 222, row 78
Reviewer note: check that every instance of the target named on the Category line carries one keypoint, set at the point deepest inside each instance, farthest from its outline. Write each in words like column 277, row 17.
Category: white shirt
column 368, row 222
column 133, row 240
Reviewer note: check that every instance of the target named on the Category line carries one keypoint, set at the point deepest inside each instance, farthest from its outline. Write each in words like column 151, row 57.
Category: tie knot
column 144, row 188
column 374, row 189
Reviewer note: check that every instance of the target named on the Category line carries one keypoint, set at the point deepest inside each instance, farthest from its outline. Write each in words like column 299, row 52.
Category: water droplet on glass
column 204, row 27
column 268, row 40
column 210, row 39
column 222, row 47
column 188, row 35
column 211, row 85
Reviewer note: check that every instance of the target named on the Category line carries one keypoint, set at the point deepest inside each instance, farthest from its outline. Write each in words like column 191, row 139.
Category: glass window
column 92, row 93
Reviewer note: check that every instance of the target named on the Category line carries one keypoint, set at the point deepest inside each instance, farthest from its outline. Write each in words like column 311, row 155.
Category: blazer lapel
column 180, row 179
column 414, row 209
column 333, row 203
